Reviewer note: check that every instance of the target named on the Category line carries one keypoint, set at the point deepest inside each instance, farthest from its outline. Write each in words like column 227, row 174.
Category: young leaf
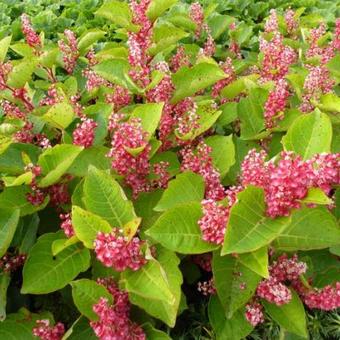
column 87, row 293
column 188, row 81
column 310, row 228
column 56, row 161
column 158, row 7
column 153, row 333
column 248, row 228
column 290, row 316
column 89, row 38
column 60, row 115
column 177, row 230
column 80, row 329
column 257, row 261
column 235, row 283
column 186, row 187
column 104, row 197
column 61, row 244
column 309, row 134
column 317, row 196
column 4, row 44
column 8, row 223
column 21, row 73
column 86, row 226
column 44, row 273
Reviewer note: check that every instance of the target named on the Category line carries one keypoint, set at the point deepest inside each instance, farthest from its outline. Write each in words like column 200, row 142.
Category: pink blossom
column 291, row 23
column 197, row 16
column 119, row 98
column 9, row 263
column 207, row 287
column 229, row 70
column 274, row 292
column 272, row 23
column 115, row 250
column 204, row 261
column 66, row 224
column 59, row 194
column 254, row 313
column 5, row 69
column 84, row 133
column 32, row 38
column 179, row 59
column 11, row 110
column 44, row 331
column 69, row 49
column 93, row 80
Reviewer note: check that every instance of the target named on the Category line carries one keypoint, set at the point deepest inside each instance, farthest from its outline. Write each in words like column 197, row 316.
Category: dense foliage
column 170, row 170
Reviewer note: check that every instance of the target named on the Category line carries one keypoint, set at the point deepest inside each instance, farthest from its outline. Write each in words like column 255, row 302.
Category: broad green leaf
column 164, row 36
column 257, row 261
column 219, row 24
column 87, row 293
column 234, row 282
column 333, row 66
column 15, row 198
column 229, row 114
column 29, row 234
column 317, row 196
column 116, row 71
column 310, row 228
column 250, row 111
column 5, row 279
column 56, row 161
column 80, row 329
column 4, row 44
column 330, row 102
column 177, row 229
column 21, row 73
column 186, row 187
column 248, row 228
column 61, row 244
column 236, row 328
column 44, row 273
column 95, row 156
column 223, row 152
column 104, row 197
column 290, row 316
column 19, row 326
column 118, row 12
column 158, row 7
column 8, row 223
column 188, row 81
column 86, row 226
column 238, row 86
column 12, row 181
column 150, row 115
column 165, row 310
column 153, row 333
column 309, row 134
column 60, row 115
column 89, row 38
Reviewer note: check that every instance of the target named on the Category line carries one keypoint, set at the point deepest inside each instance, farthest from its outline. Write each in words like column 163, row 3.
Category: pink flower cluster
column 254, row 313
column 66, row 224
column 196, row 14
column 276, row 58
column 229, row 70
column 276, row 103
column 207, row 287
column 288, row 181
column 114, row 322
column 69, row 49
column 83, row 135
column 11, row 110
column 199, row 161
column 5, row 69
column 45, row 331
column 272, row 23
column 32, row 38
column 119, row 98
column 204, row 261
column 291, row 23
column 116, row 251
column 93, row 80
column 179, row 59
column 9, row 263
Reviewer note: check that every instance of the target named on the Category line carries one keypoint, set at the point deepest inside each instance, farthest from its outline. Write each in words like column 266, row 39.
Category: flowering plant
column 176, row 157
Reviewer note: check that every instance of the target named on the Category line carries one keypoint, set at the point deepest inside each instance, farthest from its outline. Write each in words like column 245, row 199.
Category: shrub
column 173, row 167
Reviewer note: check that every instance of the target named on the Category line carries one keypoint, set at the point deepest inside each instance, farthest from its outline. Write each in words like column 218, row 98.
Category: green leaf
column 250, row 111
column 86, row 226
column 234, row 282
column 162, row 276
column 87, row 293
column 238, row 86
column 290, row 316
column 158, row 7
column 186, row 187
column 164, row 36
column 153, row 333
column 56, row 161
column 310, row 228
column 236, row 328
column 248, row 228
column 8, row 224
column 89, row 38
column 309, row 134
column 60, row 115
column 177, row 229
column 188, row 81
column 15, row 198
column 44, row 273
column 21, row 73
column 118, row 12
column 223, row 152
column 4, row 44
column 330, row 102
column 257, row 261
column 104, row 197
column 80, row 329
column 61, row 244
column 5, row 280
column 317, row 196
column 150, row 115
